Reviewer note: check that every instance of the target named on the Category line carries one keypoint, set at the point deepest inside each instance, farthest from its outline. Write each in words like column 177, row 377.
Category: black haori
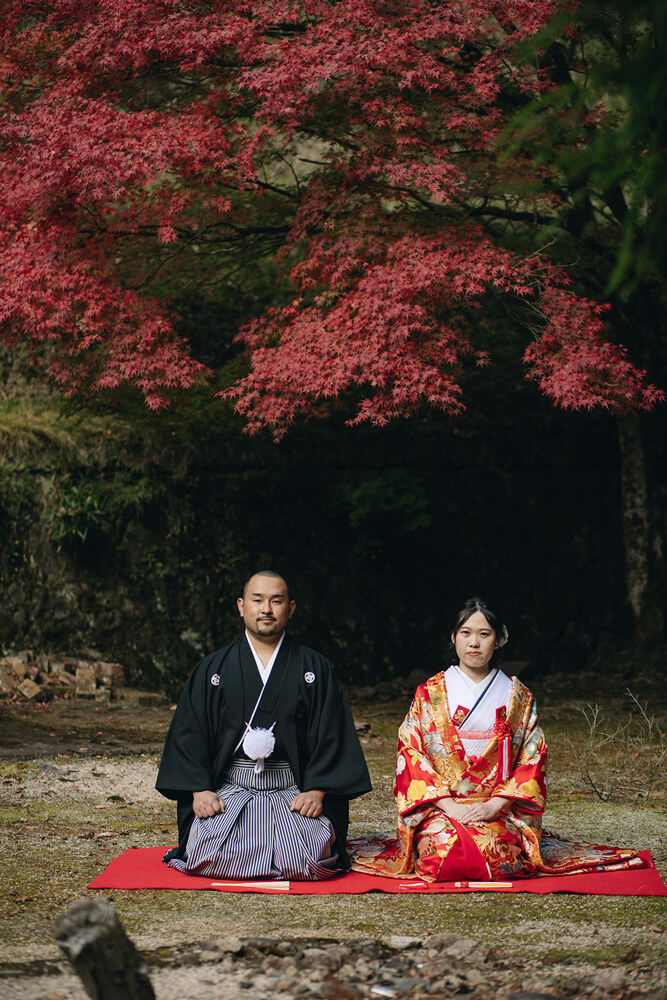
column 257, row 836
column 315, row 731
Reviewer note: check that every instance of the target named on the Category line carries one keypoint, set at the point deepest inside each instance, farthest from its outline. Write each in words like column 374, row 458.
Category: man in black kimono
column 264, row 681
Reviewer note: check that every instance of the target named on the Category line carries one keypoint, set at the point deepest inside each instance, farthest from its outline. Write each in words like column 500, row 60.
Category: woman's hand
column 455, row 810
column 207, row 804
column 470, row 813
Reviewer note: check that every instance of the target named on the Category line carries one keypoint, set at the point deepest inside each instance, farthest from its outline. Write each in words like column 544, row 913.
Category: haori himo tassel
column 504, row 734
column 258, row 744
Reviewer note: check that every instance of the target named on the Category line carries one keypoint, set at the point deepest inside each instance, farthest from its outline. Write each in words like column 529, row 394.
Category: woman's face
column 475, row 643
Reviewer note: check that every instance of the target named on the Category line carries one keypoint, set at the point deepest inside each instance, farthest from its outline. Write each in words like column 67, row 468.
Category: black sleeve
column 187, row 759
column 336, row 762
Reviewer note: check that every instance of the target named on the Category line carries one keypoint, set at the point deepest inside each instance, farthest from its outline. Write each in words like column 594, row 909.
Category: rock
column 271, row 962
column 148, row 698
column 190, row 959
column 435, row 968
column 230, row 945
column 107, row 962
column 60, row 669
column 415, row 678
column 13, row 665
column 68, row 662
column 388, row 690
column 475, row 977
column 301, row 990
column 286, row 984
column 29, row 689
column 479, row 954
column 403, row 941
column 452, row 944
column 85, row 682
column 339, row 953
column 371, row 949
column 347, row 972
column 533, row 996
column 446, row 969
column 52, row 680
column 110, row 674
column 57, row 772
column 327, row 957
column 364, row 693
column 8, row 684
column 55, row 690
column 407, row 985
column 609, row 979
column 363, row 969
column 313, row 954
column 397, row 964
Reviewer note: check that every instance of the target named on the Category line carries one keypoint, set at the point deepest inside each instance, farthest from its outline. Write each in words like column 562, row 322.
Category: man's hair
column 266, row 572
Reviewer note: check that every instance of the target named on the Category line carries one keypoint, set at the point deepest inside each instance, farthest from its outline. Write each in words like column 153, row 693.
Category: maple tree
column 149, row 146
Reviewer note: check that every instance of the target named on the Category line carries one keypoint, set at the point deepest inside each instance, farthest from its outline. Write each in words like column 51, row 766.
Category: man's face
column 266, row 608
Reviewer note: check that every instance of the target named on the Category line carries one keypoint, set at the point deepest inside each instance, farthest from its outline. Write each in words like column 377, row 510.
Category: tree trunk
column 104, row 958
column 642, row 535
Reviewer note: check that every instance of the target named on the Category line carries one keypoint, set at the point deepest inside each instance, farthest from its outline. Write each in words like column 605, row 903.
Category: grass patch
column 16, row 771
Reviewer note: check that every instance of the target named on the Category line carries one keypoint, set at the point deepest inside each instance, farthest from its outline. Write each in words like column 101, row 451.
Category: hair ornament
column 503, row 636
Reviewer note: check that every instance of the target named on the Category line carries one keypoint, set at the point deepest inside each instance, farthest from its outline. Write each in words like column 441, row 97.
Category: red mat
column 142, row 868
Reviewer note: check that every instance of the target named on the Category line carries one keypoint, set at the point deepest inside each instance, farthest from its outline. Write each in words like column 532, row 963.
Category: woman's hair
column 472, row 605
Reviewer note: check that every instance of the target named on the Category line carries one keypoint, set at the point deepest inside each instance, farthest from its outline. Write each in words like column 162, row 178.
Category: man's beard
column 266, row 628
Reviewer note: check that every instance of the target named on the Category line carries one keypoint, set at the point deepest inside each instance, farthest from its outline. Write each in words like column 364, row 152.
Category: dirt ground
column 78, row 789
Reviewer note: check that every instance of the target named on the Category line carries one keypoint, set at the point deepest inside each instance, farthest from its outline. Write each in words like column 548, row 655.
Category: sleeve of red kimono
column 417, row 780
column 527, row 783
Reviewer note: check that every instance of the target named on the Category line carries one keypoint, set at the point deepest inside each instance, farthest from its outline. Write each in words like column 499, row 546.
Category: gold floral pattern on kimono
column 432, row 764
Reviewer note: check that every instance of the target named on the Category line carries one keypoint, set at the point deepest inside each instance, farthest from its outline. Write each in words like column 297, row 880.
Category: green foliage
column 75, row 510
column 83, row 500
column 149, row 567
column 25, row 425
column 602, row 129
column 392, row 502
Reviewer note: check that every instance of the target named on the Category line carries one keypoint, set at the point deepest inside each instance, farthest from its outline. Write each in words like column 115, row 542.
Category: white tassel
column 258, row 744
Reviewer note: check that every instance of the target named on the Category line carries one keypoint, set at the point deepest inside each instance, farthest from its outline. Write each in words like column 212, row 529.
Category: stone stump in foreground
column 108, row 964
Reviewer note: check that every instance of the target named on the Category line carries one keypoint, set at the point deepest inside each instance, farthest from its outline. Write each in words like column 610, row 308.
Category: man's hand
column 474, row 812
column 207, row 804
column 308, row 803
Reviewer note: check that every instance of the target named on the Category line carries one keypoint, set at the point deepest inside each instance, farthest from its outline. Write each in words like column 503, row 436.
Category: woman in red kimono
column 470, row 782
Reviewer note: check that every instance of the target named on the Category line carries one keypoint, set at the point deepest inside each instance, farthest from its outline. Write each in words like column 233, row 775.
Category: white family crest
column 215, row 680
column 309, row 677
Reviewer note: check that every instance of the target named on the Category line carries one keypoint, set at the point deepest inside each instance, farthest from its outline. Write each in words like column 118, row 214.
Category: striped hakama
column 256, row 836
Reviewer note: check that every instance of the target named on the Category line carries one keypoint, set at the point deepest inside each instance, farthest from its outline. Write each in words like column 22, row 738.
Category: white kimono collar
column 264, row 671
column 481, row 703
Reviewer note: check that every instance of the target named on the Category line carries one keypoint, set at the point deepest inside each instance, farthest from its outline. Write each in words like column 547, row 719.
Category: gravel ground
column 84, row 791
column 91, row 781
column 439, row 965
